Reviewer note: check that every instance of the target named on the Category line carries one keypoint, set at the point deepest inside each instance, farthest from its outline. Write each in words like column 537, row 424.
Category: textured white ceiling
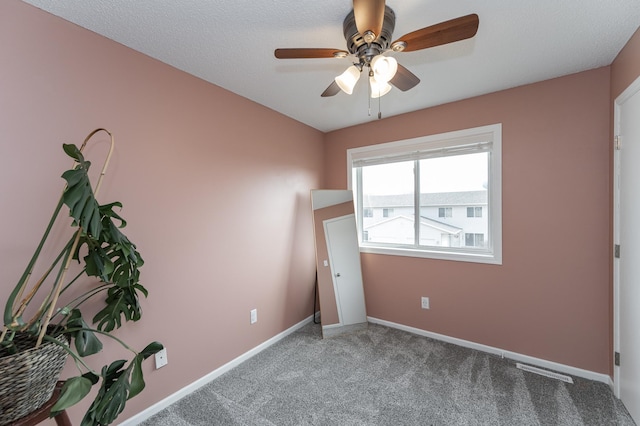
column 231, row 43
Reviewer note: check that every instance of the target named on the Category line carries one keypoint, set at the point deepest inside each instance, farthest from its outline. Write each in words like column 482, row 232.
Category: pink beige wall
column 220, row 210
column 626, row 67
column 550, row 297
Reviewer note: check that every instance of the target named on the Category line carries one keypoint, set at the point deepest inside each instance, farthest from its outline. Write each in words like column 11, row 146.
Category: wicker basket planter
column 28, row 378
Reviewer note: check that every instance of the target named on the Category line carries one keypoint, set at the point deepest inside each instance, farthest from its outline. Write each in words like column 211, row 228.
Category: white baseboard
column 550, row 365
column 161, row 405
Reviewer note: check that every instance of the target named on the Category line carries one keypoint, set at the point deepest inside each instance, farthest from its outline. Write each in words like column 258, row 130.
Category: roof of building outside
column 423, row 221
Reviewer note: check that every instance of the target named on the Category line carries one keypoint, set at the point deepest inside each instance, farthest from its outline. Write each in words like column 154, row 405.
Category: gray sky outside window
column 456, row 173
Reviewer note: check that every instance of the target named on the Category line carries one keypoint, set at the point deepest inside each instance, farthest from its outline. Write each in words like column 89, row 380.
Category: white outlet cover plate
column 161, row 358
column 425, row 303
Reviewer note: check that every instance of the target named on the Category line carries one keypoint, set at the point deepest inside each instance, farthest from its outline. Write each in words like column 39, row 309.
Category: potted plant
column 55, row 328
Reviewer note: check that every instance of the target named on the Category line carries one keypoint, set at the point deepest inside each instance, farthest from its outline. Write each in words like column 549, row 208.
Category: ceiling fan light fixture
column 384, row 68
column 378, row 88
column 348, row 79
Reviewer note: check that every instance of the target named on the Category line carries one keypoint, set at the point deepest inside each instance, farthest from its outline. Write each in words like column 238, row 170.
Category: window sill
column 475, row 257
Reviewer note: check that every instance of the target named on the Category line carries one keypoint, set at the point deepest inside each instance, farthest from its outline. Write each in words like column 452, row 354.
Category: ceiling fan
column 368, row 30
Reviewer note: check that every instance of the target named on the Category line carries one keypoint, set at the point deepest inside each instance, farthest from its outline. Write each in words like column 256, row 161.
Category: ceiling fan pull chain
column 379, row 111
column 369, row 98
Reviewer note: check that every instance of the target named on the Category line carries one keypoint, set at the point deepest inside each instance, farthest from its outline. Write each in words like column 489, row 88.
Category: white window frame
column 485, row 136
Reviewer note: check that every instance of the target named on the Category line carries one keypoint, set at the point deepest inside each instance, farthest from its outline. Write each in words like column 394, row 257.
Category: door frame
column 630, row 91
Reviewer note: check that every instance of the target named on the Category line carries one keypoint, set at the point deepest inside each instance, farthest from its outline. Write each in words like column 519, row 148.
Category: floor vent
column 545, row 373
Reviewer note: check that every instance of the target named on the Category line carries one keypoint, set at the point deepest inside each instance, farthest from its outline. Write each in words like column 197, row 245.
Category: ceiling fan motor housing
column 359, row 47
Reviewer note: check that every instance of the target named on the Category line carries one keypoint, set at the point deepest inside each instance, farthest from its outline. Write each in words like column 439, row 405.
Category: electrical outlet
column 425, row 303
column 254, row 316
column 161, row 358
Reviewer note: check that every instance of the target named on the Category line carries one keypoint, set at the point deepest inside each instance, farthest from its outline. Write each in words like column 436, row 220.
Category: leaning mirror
column 340, row 288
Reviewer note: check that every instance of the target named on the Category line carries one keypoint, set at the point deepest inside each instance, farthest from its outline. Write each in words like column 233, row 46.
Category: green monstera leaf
column 118, row 385
column 86, row 342
column 114, row 259
column 73, row 390
column 78, row 195
column 120, row 303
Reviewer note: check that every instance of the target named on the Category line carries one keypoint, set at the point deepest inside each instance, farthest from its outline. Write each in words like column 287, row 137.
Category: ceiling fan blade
column 369, row 16
column 332, row 90
column 445, row 32
column 404, row 79
column 308, row 53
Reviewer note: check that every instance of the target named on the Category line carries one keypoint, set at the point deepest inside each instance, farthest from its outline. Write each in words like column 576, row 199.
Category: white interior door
column 627, row 235
column 344, row 258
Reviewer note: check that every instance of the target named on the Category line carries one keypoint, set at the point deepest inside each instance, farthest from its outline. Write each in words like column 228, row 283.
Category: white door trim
column 620, row 100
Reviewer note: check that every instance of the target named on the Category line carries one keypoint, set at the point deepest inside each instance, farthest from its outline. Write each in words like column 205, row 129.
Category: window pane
column 448, row 185
column 387, row 190
column 468, row 240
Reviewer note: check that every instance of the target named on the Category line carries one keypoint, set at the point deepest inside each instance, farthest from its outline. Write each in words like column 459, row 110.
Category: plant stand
column 42, row 413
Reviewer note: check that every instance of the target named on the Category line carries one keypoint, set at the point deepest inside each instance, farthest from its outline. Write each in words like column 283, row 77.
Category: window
column 474, row 211
column 474, row 240
column 446, row 192
column 445, row 212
